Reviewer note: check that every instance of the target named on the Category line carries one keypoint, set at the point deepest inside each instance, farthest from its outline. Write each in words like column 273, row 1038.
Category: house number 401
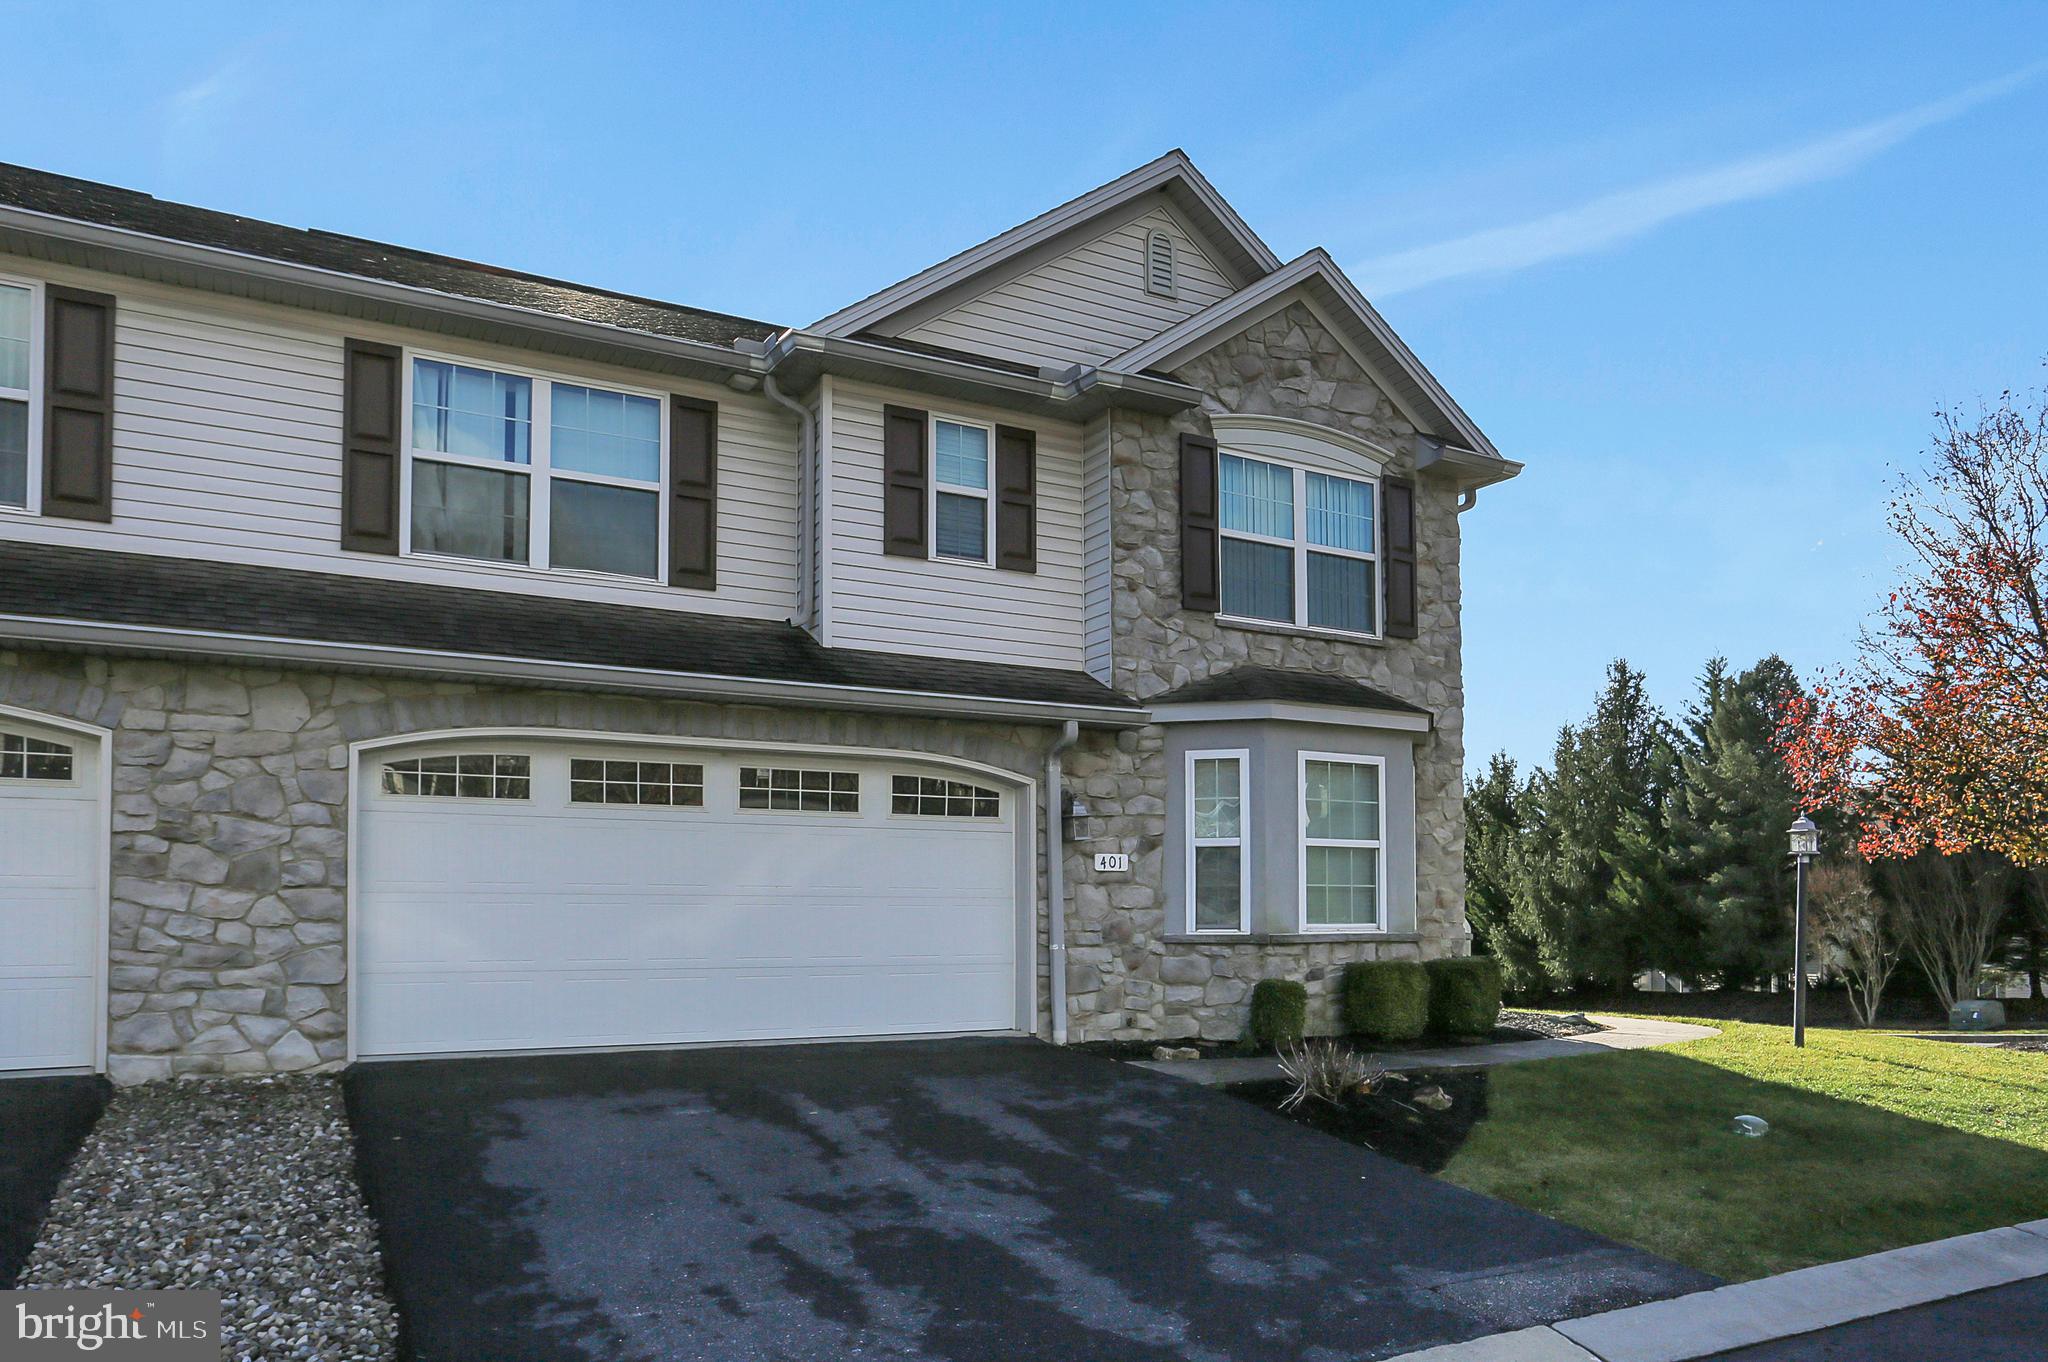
column 1113, row 862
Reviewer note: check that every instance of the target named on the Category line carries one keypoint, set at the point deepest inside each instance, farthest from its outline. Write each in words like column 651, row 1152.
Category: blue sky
column 1707, row 269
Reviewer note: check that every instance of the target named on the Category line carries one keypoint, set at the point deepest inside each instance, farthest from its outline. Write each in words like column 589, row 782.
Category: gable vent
column 1159, row 264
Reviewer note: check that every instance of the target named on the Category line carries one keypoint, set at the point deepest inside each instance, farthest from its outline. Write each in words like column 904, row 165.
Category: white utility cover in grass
column 49, row 907
column 536, row 924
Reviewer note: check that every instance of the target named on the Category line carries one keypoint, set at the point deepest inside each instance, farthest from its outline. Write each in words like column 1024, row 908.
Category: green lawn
column 1876, row 1141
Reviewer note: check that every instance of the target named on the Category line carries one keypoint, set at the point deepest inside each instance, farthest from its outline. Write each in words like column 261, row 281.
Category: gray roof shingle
column 48, row 582
column 1280, row 684
column 107, row 206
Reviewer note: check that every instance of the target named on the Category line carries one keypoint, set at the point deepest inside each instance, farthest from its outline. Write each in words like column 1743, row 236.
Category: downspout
column 810, row 485
column 1467, row 499
column 1055, row 879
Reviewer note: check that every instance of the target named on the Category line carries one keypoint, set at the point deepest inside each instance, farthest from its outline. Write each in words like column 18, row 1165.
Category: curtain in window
column 1257, row 498
column 470, row 512
column 1339, row 513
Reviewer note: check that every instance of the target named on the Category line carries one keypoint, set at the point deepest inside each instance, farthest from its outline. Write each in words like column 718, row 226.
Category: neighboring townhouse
column 403, row 656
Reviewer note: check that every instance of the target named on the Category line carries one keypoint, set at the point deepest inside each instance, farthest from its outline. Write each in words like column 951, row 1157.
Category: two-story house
column 400, row 655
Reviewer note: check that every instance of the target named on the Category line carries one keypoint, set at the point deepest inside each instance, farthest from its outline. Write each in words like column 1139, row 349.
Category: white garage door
column 547, row 895
column 49, row 896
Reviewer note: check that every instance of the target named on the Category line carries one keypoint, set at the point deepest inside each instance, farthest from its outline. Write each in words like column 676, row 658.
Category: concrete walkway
column 1622, row 1033
column 1747, row 1314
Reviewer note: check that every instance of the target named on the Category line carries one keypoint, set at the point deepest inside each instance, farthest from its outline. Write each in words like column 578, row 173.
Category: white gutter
column 1056, row 880
column 437, row 662
column 122, row 239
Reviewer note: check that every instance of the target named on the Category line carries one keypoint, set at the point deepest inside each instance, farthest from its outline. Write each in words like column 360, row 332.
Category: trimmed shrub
column 1386, row 999
column 1464, row 995
column 1279, row 1013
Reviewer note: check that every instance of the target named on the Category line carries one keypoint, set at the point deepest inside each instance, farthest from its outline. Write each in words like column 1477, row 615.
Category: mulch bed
column 1514, row 1026
column 1389, row 1121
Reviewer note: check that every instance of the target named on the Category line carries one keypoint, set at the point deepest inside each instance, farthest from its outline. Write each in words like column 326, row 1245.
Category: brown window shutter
column 693, row 496
column 1016, row 499
column 78, row 405
column 1200, row 570
column 1399, row 509
column 906, row 481
column 372, row 391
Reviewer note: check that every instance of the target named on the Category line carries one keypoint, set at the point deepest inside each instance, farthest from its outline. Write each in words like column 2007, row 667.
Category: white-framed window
column 937, row 797
column 963, row 510
column 21, row 403
column 513, row 467
column 1219, row 870
column 662, row 784
column 468, row 775
column 1299, row 547
column 26, row 758
column 790, row 789
column 1343, row 863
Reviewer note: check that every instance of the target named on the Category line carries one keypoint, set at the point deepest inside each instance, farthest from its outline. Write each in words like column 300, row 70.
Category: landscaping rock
column 239, row 1186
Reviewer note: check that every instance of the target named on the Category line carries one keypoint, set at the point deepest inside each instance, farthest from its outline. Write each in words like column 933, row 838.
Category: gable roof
column 1315, row 276
column 1173, row 175
column 60, row 196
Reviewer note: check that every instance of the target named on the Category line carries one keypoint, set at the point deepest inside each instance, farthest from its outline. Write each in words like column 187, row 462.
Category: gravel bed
column 2036, row 1045
column 244, row 1186
column 1551, row 1025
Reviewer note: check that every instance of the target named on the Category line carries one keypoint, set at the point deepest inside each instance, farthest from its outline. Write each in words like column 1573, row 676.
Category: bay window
column 17, row 393
column 1298, row 547
column 1218, row 869
column 1342, row 842
column 963, row 511
column 512, row 468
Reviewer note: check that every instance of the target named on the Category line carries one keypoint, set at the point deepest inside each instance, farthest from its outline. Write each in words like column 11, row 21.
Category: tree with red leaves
column 1938, row 737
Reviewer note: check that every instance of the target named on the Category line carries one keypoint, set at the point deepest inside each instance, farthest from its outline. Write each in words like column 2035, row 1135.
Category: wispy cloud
column 1614, row 218
column 197, row 115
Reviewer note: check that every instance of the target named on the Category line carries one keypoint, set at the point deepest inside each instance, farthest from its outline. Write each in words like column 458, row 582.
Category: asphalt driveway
column 42, row 1123
column 961, row 1199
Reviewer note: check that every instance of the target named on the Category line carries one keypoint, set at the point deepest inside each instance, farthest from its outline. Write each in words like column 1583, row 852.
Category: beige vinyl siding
column 948, row 609
column 1097, row 546
column 227, row 445
column 1085, row 306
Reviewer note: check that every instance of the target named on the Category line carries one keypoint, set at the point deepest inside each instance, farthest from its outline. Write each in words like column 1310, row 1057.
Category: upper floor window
column 516, row 469
column 963, row 512
column 17, row 391
column 1298, row 547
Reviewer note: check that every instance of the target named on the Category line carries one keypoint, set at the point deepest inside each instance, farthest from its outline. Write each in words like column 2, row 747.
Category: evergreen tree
column 1735, row 800
column 1578, row 874
column 1493, row 823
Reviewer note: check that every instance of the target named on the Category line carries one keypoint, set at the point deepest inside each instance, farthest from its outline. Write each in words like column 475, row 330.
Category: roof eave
column 799, row 358
column 122, row 250
column 49, row 632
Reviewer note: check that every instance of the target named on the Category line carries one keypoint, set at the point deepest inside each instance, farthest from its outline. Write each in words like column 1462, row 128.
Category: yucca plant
column 1327, row 1071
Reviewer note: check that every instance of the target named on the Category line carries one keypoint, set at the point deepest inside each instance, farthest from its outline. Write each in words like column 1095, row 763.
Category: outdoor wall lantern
column 1805, row 846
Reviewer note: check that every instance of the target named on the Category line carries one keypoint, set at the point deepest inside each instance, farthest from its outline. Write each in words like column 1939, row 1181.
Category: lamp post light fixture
column 1805, row 846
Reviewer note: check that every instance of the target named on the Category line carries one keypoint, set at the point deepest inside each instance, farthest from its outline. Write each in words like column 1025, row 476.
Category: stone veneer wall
column 1127, row 978
column 229, row 846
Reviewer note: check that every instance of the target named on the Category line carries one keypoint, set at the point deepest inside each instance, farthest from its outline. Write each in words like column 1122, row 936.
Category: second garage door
column 549, row 895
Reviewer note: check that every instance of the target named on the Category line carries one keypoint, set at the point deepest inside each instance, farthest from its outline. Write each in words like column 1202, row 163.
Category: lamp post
column 1805, row 846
